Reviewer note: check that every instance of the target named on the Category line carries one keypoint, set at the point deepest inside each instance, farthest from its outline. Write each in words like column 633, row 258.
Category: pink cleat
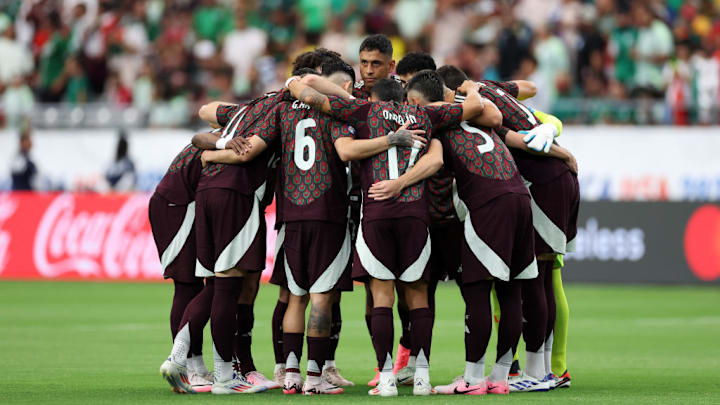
column 401, row 359
column 500, row 387
column 374, row 381
column 256, row 378
column 461, row 387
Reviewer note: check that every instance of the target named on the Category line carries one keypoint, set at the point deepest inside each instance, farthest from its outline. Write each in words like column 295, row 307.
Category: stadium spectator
column 121, row 175
column 23, row 170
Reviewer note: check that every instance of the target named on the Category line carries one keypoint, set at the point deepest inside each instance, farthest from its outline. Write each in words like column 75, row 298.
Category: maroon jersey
column 482, row 164
column 363, row 92
column 244, row 121
column 439, row 187
column 376, row 119
column 181, row 180
column 518, row 117
column 313, row 177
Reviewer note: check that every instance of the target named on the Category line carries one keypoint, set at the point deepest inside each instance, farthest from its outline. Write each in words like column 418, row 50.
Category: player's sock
column 550, row 299
column 292, row 347
column 548, row 354
column 509, row 328
column 335, row 327
column 368, row 323
column 243, row 338
column 196, row 364
column 181, row 346
column 562, row 316
column 318, row 348
column 478, row 326
column 223, row 325
column 405, row 338
column 184, row 293
column 382, row 336
column 277, row 332
column 421, row 320
column 197, row 315
column 534, row 313
column 495, row 307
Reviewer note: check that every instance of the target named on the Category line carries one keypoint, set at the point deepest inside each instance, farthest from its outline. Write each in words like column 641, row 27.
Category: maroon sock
column 184, row 293
column 432, row 287
column 549, row 295
column 382, row 334
column 318, row 349
column 335, row 327
column 368, row 323
column 509, row 297
column 404, row 315
column 478, row 319
column 243, row 338
column 421, row 325
column 534, row 312
column 292, row 343
column 277, row 333
column 197, row 314
column 223, row 325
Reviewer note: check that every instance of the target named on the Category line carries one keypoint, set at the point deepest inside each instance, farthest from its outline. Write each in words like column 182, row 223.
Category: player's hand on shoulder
column 407, row 137
column 572, row 163
column 239, row 145
column 205, row 158
column 385, row 190
column 468, row 86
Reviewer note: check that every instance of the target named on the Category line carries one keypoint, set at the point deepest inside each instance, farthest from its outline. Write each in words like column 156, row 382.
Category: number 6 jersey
column 313, row 181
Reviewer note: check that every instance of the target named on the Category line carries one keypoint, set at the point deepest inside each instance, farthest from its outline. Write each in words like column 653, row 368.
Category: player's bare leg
column 421, row 318
column 277, row 332
column 330, row 371
column 383, row 294
column 293, row 332
column 318, row 341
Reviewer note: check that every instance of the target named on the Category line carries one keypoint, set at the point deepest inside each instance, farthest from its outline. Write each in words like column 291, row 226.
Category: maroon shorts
column 230, row 230
column 278, row 275
column 315, row 255
column 174, row 233
column 499, row 241
column 446, row 239
column 392, row 249
column 555, row 208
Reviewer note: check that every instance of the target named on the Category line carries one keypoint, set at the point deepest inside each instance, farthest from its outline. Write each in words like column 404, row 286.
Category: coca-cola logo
column 91, row 242
column 7, row 209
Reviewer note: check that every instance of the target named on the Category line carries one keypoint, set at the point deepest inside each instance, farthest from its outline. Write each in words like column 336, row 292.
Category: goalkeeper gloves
column 540, row 138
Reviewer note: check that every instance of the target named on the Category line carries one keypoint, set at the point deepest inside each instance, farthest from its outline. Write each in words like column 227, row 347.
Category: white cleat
column 237, row 385
column 258, row 379
column 279, row 375
column 332, row 375
column 201, row 382
column 525, row 383
column 177, row 376
column 323, row 387
column 384, row 389
column 405, row 375
column 293, row 383
column 423, row 388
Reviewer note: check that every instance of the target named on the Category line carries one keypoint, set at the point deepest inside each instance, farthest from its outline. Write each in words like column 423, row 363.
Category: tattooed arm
column 309, row 96
column 325, row 86
column 356, row 149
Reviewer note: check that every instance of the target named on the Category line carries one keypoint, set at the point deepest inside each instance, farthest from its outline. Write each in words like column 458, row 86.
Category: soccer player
column 393, row 241
column 555, row 200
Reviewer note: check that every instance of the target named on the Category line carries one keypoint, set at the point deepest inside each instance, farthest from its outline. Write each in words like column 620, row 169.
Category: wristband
column 220, row 144
column 288, row 81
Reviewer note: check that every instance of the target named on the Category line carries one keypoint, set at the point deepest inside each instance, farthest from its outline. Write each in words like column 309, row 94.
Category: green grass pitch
column 87, row 343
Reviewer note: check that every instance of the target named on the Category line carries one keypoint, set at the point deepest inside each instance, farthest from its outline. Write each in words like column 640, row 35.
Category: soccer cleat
column 332, row 375
column 293, row 383
column 514, row 369
column 401, row 358
column 201, row 382
column 258, row 379
column 374, row 381
column 550, row 380
column 525, row 383
column 405, row 375
column 461, row 387
column 324, row 387
column 423, row 388
column 563, row 381
column 279, row 375
column 176, row 375
column 237, row 385
column 500, row 387
column 388, row 389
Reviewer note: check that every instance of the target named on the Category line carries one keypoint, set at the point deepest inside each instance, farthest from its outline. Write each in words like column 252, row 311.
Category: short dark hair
column 377, row 42
column 415, row 62
column 452, row 76
column 310, row 60
column 327, row 55
column 334, row 66
column 428, row 83
column 304, row 71
column 388, row 90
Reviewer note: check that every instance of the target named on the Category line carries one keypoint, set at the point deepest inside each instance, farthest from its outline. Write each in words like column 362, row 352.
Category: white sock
column 312, row 367
column 548, row 355
column 386, row 374
column 328, row 363
column 181, row 346
column 501, row 369
column 412, row 361
column 422, row 366
column 223, row 369
column 279, row 366
column 474, row 371
column 535, row 363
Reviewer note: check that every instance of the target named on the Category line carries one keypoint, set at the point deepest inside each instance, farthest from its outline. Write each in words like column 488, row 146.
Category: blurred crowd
column 166, row 57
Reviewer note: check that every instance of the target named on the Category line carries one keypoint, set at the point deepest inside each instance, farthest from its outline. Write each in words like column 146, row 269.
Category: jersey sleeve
column 341, row 130
column 269, row 128
column 225, row 112
column 501, row 132
column 445, row 116
column 353, row 111
column 510, row 87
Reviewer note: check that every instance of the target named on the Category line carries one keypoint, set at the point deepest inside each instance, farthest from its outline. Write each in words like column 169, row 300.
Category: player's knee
column 283, row 295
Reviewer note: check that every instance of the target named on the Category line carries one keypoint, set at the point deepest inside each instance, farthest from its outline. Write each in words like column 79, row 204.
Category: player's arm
column 546, row 118
column 227, row 156
column 477, row 109
column 526, row 89
column 515, row 140
column 428, row 165
column 308, row 95
column 208, row 112
column 325, row 86
column 210, row 141
column 356, row 149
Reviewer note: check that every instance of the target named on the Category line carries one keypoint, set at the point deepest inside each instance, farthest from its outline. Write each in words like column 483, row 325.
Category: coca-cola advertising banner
column 82, row 236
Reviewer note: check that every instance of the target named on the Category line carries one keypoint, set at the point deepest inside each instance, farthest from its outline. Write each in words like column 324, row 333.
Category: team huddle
column 395, row 181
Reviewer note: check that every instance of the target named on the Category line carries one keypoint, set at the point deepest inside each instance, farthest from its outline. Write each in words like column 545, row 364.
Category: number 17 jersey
column 313, row 180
